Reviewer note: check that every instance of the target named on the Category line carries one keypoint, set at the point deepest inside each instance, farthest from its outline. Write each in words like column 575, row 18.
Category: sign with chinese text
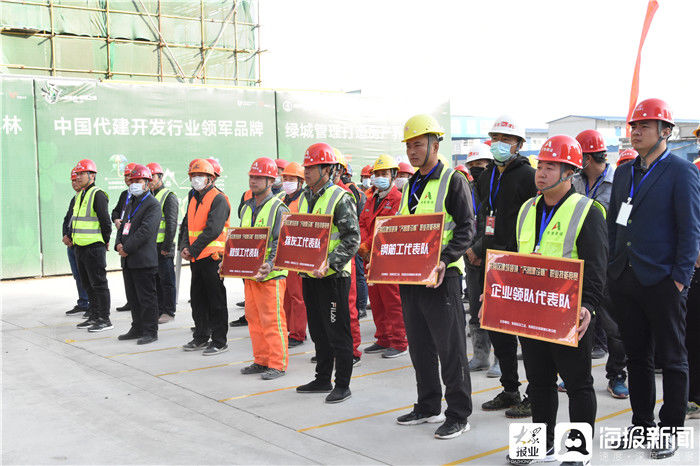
column 303, row 242
column 533, row 296
column 406, row 249
column 244, row 252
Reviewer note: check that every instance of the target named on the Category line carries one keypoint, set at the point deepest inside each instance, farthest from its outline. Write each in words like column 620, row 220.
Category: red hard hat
column 488, row 142
column 367, row 170
column 652, row 109
column 85, row 165
column 405, row 167
column 217, row 166
column 281, row 163
column 263, row 166
column 73, row 174
column 155, row 168
column 462, row 168
column 561, row 149
column 129, row 166
column 140, row 171
column 319, row 154
column 591, row 141
column 626, row 155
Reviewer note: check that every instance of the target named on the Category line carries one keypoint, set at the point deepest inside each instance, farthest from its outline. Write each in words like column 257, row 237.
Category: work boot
column 494, row 371
column 503, row 400
column 338, row 395
column 482, row 346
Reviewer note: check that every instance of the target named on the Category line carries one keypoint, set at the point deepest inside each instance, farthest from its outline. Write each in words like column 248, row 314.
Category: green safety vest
column 265, row 218
column 432, row 200
column 160, row 197
column 85, row 226
column 559, row 239
column 325, row 205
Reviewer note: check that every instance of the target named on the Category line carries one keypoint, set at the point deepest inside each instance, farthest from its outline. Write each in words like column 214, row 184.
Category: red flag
column 634, row 92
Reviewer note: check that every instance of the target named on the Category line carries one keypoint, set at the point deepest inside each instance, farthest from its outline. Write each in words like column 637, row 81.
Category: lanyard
column 498, row 186
column 132, row 213
column 545, row 220
column 476, row 207
column 418, row 183
column 653, row 165
column 597, row 183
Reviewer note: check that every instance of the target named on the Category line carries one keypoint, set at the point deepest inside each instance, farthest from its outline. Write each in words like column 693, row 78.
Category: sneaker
column 294, row 342
column 362, row 313
column 393, row 353
column 242, row 322
column 666, row 448
column 101, row 325
column 338, row 395
column 126, row 307
column 375, row 348
column 633, row 437
column 618, row 389
column 165, row 318
column 561, row 388
column 241, row 304
column 549, row 458
column 451, row 428
column 86, row 315
column 414, row 418
column 146, row 340
column 503, row 400
column 356, row 361
column 494, row 371
column 598, row 353
column 75, row 311
column 130, row 335
column 194, row 346
column 315, row 386
column 254, row 368
column 692, row 411
column 313, row 359
column 272, row 374
column 520, row 410
column 88, row 323
column 212, row 350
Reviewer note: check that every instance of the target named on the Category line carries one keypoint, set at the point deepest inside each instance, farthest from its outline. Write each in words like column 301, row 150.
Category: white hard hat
column 479, row 151
column 505, row 124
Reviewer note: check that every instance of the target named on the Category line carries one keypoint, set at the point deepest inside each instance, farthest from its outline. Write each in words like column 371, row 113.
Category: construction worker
column 365, row 178
column 264, row 294
column 277, row 185
column 433, row 314
column 246, row 196
column 83, row 304
column 405, row 172
column 478, row 158
column 203, row 236
column 294, row 309
column 136, row 244
column 502, row 188
column 692, row 332
column 387, row 313
column 627, row 155
column 654, row 237
column 541, row 221
column 327, row 289
column 595, row 181
column 90, row 231
column 165, row 279
column 118, row 213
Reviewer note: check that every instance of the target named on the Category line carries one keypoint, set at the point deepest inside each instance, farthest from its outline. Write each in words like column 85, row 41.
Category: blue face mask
column 382, row 183
column 501, row 152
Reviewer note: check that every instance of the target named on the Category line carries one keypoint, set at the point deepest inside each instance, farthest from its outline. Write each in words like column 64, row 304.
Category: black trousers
column 328, row 316
column 165, row 285
column 543, row 361
column 474, row 279
column 653, row 320
column 692, row 338
column 140, row 285
column 208, row 296
column 92, row 264
column 617, row 360
column 435, row 329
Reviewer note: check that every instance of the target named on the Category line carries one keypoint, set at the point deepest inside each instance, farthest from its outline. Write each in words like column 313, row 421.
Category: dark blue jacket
column 662, row 237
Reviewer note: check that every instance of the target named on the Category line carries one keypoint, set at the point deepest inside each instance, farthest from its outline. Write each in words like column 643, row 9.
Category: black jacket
column 121, row 203
column 219, row 213
column 517, row 186
column 140, row 243
column 66, row 220
column 170, row 211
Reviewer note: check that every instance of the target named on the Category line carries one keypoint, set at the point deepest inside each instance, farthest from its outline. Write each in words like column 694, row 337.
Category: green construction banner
column 360, row 127
column 114, row 123
column 19, row 213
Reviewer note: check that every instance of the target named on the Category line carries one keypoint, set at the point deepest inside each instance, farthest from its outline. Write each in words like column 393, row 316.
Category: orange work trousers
column 294, row 307
column 267, row 323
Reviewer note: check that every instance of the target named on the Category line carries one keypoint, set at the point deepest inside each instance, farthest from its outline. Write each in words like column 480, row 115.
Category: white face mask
column 136, row 189
column 400, row 182
column 290, row 187
column 198, row 182
column 278, row 182
column 365, row 183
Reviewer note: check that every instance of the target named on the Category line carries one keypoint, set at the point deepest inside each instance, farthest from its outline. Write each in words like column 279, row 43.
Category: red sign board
column 244, row 252
column 406, row 249
column 303, row 242
column 533, row 296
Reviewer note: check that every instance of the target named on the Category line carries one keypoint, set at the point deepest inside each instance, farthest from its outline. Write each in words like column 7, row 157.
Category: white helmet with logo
column 479, row 151
column 505, row 124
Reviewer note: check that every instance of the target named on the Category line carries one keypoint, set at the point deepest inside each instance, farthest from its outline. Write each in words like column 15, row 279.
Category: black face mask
column 476, row 172
column 345, row 179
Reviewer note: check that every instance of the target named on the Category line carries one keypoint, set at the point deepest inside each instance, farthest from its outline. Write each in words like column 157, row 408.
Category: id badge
column 125, row 230
column 490, row 225
column 624, row 214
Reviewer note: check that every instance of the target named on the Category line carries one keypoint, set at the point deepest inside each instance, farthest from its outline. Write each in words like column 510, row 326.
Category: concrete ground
column 70, row 397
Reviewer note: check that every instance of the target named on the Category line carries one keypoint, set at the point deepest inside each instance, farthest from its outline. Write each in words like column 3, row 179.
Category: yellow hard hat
column 444, row 160
column 533, row 160
column 341, row 158
column 421, row 124
column 385, row 162
column 697, row 132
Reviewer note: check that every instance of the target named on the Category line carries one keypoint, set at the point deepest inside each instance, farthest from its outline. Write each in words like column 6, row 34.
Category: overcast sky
column 537, row 59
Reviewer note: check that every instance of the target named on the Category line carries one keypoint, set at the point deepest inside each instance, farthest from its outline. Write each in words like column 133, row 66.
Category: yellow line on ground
column 87, row 339
column 143, row 352
column 221, row 365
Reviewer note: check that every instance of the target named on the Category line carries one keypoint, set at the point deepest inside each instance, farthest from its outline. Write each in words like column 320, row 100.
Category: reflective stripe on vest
column 559, row 238
column 197, row 220
column 326, row 205
column 265, row 218
column 432, row 200
column 160, row 197
column 85, row 226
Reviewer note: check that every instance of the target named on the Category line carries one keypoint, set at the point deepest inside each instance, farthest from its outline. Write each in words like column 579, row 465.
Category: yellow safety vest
column 432, row 200
column 265, row 218
column 160, row 197
column 85, row 226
